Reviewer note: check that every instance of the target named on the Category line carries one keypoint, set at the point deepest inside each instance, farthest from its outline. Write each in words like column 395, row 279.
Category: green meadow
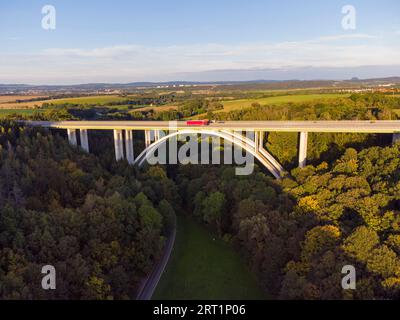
column 204, row 267
column 230, row 105
column 89, row 100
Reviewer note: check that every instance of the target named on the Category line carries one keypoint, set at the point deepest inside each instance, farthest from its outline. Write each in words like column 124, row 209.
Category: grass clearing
column 203, row 268
column 246, row 103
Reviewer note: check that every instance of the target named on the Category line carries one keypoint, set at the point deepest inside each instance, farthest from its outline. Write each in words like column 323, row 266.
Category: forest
column 103, row 224
column 297, row 234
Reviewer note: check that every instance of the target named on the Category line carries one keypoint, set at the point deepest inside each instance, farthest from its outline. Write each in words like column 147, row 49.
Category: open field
column 157, row 108
column 6, row 112
column 10, row 102
column 230, row 105
column 89, row 100
column 246, row 103
column 101, row 100
column 202, row 267
column 21, row 105
column 11, row 99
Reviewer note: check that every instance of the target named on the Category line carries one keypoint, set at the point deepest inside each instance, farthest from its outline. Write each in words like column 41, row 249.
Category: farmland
column 13, row 99
column 231, row 105
column 101, row 100
column 6, row 112
column 8, row 103
column 158, row 108
column 188, row 106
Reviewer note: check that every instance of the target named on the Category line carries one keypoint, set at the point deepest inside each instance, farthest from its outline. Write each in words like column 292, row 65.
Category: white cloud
column 350, row 36
column 138, row 62
column 106, row 52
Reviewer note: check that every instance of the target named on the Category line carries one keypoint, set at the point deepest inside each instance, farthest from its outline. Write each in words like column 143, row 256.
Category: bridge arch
column 265, row 158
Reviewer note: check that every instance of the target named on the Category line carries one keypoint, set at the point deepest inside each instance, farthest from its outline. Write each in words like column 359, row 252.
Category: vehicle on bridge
column 198, row 122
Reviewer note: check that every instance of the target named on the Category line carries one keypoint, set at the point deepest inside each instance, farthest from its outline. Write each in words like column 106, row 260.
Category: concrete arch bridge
column 158, row 133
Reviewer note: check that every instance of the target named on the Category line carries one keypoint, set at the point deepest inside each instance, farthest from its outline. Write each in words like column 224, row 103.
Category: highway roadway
column 360, row 126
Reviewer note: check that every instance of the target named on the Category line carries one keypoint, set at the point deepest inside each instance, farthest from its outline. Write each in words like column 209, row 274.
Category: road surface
column 150, row 285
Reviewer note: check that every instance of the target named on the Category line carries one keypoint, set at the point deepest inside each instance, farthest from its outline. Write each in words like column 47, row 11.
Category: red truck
column 198, row 122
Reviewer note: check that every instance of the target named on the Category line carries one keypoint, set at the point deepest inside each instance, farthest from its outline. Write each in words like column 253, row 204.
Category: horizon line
column 198, row 82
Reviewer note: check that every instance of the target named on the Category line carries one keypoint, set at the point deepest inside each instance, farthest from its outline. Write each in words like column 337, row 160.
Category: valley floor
column 204, row 267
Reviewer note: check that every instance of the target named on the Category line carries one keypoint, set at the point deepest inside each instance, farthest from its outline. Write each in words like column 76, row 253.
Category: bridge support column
column 156, row 135
column 72, row 137
column 118, row 145
column 147, row 137
column 256, row 141
column 129, row 146
column 396, row 137
column 84, row 139
column 303, row 149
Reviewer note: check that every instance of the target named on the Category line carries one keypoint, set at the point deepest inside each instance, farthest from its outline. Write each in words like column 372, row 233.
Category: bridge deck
column 283, row 126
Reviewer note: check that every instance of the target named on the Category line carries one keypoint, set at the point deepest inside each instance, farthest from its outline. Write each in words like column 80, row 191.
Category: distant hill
column 253, row 84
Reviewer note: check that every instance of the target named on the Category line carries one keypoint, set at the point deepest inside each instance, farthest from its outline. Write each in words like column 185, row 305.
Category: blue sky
column 155, row 40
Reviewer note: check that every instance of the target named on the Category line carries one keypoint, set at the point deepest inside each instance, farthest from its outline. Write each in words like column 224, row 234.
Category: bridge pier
column 72, row 137
column 256, row 141
column 84, row 139
column 118, row 145
column 129, row 146
column 303, row 149
column 156, row 135
column 147, row 137
column 396, row 138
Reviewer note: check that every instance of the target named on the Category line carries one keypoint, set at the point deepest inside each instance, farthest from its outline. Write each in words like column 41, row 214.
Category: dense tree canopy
column 100, row 227
column 299, row 233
